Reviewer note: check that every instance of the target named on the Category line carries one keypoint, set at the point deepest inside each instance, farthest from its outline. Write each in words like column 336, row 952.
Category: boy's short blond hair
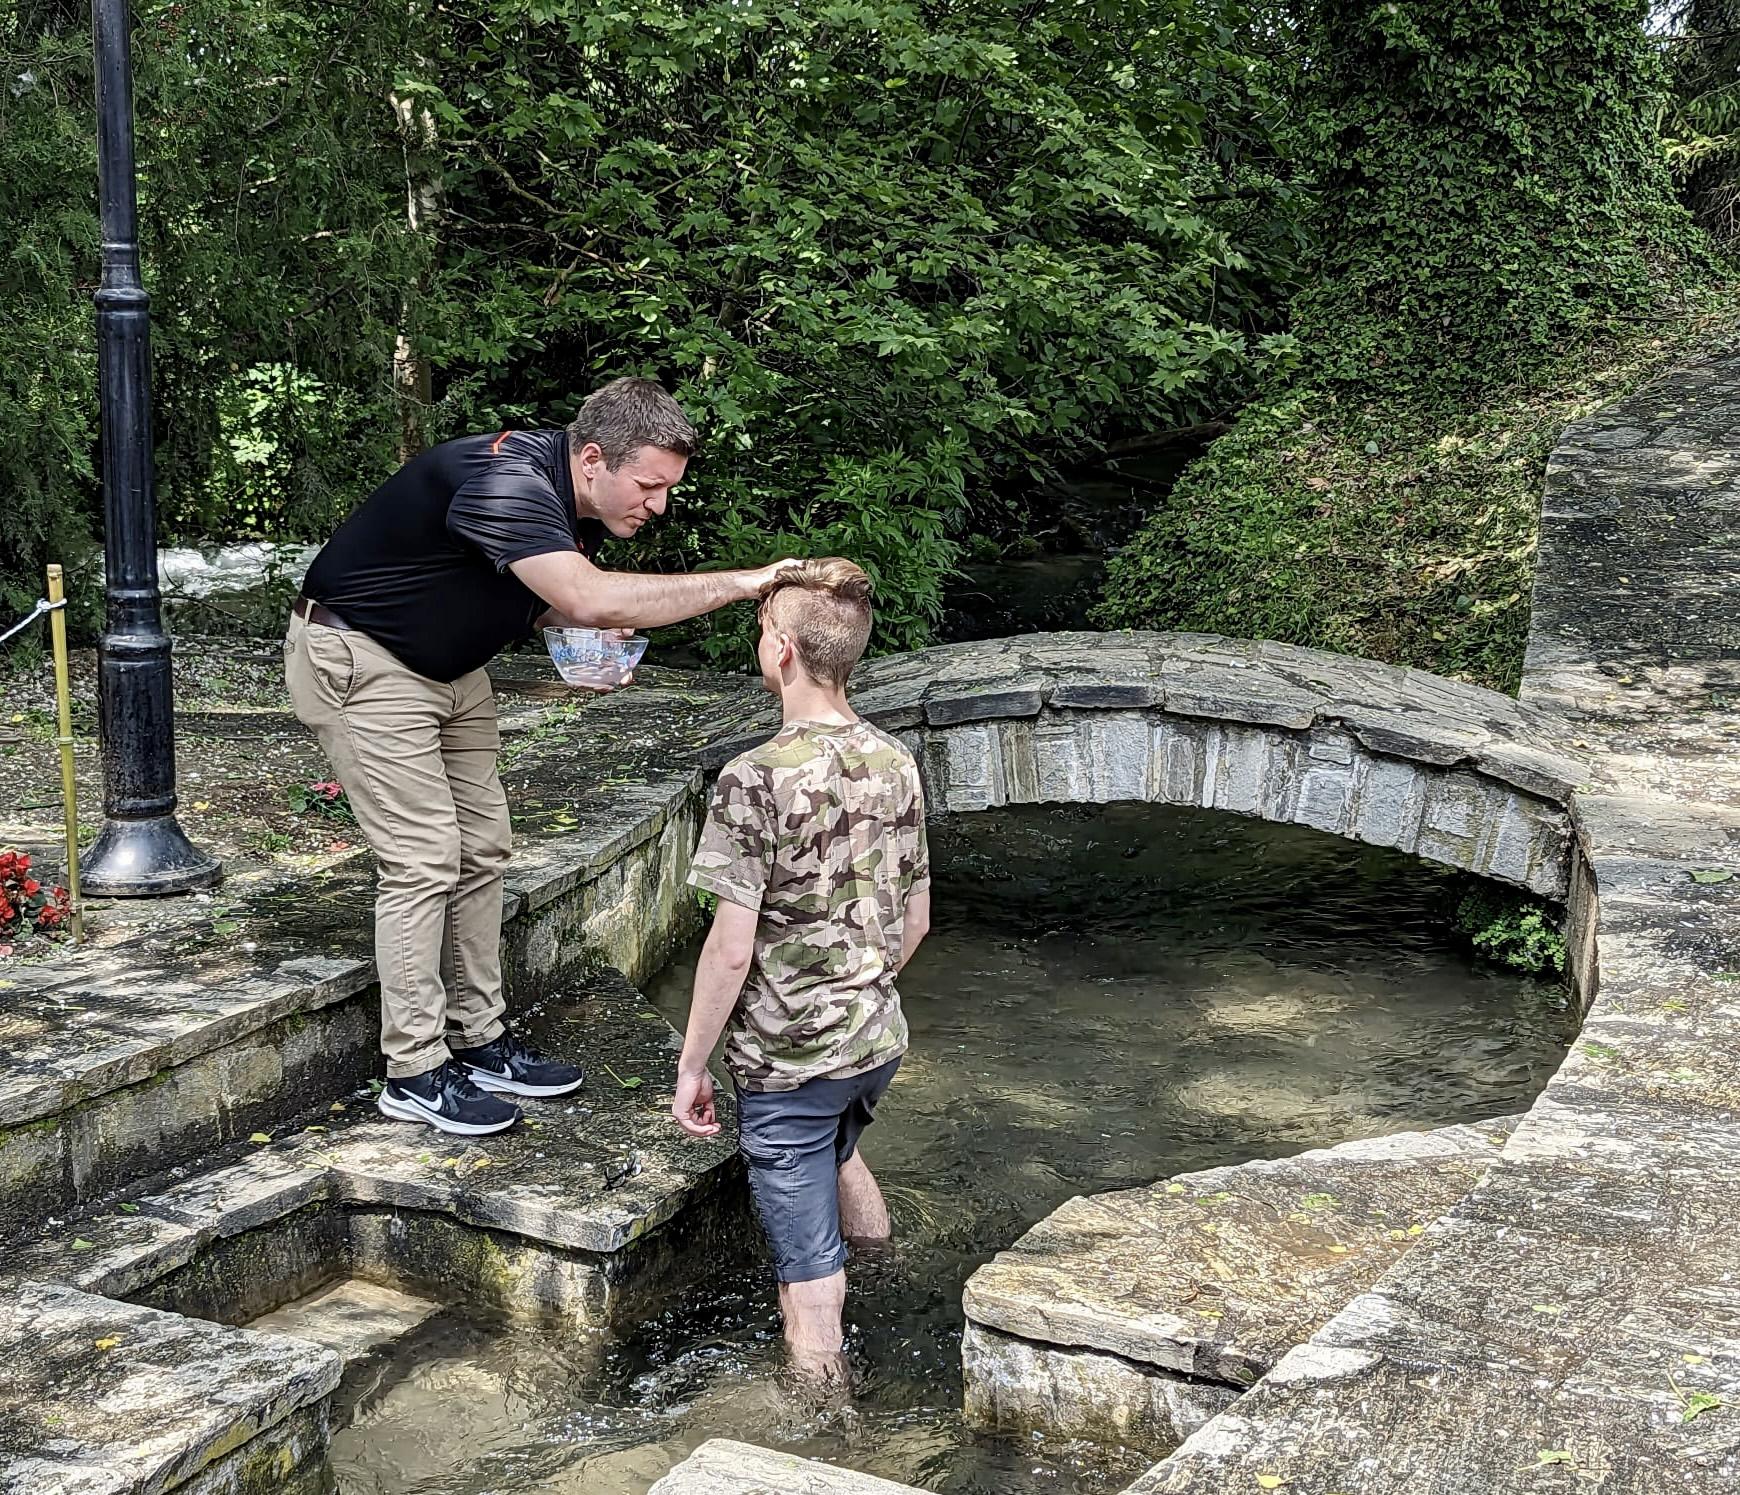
column 824, row 605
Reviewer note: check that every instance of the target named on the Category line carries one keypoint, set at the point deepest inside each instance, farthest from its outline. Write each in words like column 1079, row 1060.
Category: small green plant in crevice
column 1513, row 929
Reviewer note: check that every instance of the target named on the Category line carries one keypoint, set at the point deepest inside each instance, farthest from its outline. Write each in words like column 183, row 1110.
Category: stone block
column 721, row 1467
column 1223, row 692
column 1061, row 762
column 1461, row 810
column 948, row 705
column 1325, row 797
column 1245, row 769
column 353, row 1319
column 1118, row 744
column 1017, row 763
column 1389, row 798
column 1527, row 845
column 1016, row 1386
column 107, row 1398
column 1178, row 762
column 1106, row 695
column 964, row 764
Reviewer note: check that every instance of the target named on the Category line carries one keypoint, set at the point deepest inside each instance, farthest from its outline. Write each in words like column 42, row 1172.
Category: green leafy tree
column 273, row 236
column 898, row 259
column 1703, row 121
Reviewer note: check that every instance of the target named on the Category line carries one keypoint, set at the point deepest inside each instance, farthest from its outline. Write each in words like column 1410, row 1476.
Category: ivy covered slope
column 1500, row 251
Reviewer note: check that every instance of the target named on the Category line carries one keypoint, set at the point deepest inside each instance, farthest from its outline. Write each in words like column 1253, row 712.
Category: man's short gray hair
column 627, row 414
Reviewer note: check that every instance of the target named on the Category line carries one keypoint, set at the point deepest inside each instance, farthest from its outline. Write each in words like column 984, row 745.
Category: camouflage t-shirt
column 821, row 828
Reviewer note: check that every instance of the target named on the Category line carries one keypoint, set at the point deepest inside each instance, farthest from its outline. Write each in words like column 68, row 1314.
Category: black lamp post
column 141, row 850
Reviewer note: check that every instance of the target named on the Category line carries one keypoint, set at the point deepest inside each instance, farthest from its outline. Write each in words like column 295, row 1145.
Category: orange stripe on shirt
column 495, row 446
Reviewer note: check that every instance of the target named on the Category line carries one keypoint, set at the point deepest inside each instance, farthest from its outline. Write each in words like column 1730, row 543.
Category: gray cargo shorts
column 795, row 1143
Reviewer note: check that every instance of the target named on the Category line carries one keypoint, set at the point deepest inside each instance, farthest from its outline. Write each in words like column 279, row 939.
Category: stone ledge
column 722, row 1467
column 220, row 1027
column 1215, row 1275
column 1017, row 1386
column 593, row 1173
column 102, row 1397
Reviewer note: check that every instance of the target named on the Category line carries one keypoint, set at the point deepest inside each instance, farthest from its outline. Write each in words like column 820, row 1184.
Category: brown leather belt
column 311, row 611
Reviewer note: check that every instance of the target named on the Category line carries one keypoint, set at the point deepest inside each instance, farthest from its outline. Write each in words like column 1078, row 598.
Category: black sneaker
column 446, row 1099
column 508, row 1066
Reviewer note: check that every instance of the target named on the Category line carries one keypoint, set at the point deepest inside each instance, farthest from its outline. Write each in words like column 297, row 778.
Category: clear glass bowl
column 593, row 656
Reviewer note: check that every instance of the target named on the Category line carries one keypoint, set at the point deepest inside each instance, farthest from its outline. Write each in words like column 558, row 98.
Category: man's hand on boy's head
column 693, row 1109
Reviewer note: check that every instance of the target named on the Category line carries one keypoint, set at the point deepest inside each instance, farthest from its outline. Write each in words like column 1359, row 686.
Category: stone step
column 352, row 1318
column 1134, row 1317
column 173, row 1038
column 722, row 1467
column 563, row 1216
column 106, row 1398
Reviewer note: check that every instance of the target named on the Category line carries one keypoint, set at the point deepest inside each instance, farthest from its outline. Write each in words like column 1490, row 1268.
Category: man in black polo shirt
column 466, row 548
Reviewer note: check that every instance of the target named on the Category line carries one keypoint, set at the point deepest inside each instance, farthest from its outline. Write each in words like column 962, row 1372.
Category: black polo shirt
column 421, row 567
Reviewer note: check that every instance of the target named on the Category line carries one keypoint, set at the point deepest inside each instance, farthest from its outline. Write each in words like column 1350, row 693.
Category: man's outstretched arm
column 719, row 978
column 590, row 597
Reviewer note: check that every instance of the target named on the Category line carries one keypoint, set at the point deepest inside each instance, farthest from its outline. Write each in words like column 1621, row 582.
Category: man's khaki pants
column 418, row 760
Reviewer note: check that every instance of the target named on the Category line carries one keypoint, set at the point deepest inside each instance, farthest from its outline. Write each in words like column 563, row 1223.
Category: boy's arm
column 719, row 980
column 917, row 925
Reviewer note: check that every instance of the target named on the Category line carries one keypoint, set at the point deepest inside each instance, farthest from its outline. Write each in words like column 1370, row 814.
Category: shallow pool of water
column 1110, row 996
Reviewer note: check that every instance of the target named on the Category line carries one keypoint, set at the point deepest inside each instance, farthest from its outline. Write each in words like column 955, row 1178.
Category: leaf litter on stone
column 1711, row 875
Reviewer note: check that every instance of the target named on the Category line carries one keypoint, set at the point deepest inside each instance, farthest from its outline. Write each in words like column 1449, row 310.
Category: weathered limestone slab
column 1136, row 1315
column 351, row 1318
column 1019, row 1386
column 98, row 1397
column 561, row 1217
column 722, row 1467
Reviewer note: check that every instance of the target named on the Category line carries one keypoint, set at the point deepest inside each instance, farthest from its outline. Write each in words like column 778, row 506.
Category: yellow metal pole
column 69, row 786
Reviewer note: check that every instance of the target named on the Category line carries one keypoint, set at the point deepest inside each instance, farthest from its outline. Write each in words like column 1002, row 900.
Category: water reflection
column 1110, row 995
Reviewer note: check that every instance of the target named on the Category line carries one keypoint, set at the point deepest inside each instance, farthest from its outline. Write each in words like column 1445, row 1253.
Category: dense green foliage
column 1481, row 272
column 893, row 258
column 1703, row 124
column 1512, row 928
column 271, row 197
column 897, row 260
column 903, row 261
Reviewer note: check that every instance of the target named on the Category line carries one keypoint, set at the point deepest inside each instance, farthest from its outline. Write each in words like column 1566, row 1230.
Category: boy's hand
column 693, row 1107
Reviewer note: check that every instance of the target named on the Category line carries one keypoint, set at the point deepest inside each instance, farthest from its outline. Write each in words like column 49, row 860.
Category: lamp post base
column 145, row 859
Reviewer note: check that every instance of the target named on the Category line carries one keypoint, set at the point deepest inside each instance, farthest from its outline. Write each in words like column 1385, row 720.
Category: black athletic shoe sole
column 409, row 1108
column 488, row 1079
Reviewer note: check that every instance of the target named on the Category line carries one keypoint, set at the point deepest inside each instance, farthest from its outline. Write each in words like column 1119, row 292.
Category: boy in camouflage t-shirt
column 815, row 848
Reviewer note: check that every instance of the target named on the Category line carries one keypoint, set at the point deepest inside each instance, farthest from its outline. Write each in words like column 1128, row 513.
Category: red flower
column 31, row 887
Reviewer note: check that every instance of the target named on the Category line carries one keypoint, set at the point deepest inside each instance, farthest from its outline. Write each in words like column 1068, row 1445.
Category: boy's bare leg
column 863, row 1213
column 813, row 1333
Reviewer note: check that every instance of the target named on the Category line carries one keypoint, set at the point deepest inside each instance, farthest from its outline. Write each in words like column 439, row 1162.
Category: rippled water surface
column 1110, row 996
